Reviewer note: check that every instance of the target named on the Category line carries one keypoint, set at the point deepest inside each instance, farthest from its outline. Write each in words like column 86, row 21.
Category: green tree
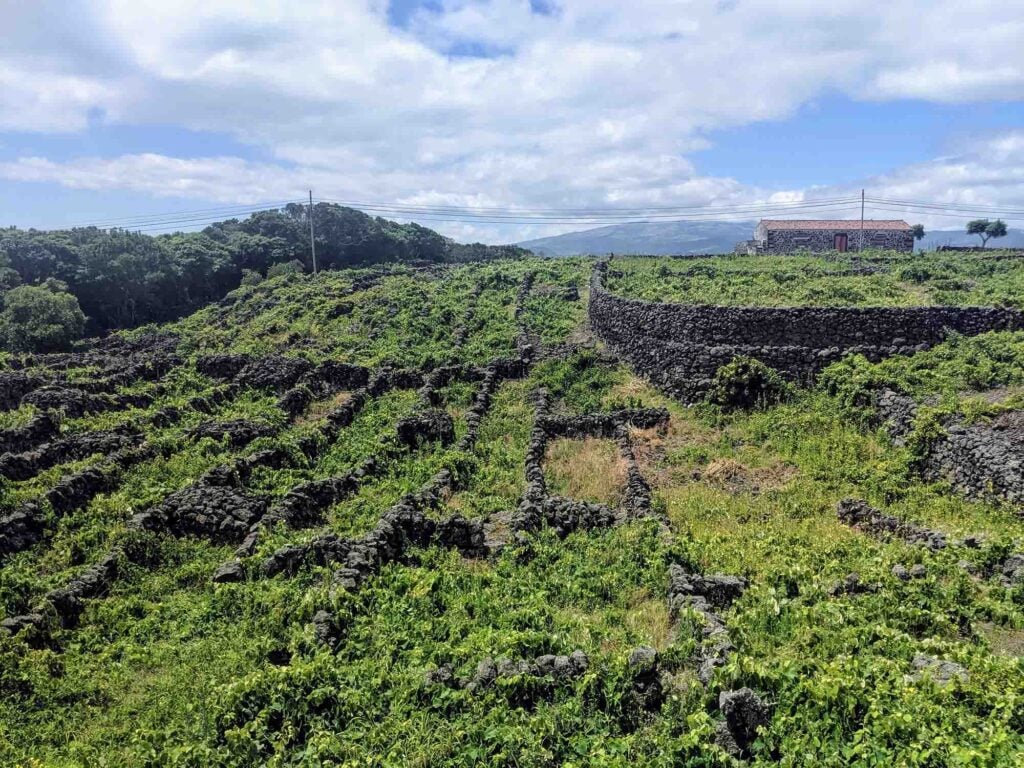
column 986, row 229
column 917, row 231
column 40, row 318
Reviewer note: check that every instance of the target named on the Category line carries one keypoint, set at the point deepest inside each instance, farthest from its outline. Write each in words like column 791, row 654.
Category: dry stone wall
column 680, row 347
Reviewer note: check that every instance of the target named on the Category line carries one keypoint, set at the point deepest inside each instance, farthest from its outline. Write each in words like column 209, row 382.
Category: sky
column 129, row 108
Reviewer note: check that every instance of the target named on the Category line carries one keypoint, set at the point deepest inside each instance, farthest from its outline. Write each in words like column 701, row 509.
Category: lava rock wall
column 680, row 346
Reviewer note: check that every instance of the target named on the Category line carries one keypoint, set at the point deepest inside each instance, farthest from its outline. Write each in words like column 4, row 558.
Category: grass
column 170, row 669
column 873, row 279
column 589, row 469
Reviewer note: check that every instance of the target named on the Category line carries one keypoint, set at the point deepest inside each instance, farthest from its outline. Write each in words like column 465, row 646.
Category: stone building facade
column 820, row 235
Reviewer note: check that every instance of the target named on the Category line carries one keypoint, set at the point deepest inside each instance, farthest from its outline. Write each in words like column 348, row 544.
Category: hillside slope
column 123, row 278
column 652, row 238
column 417, row 516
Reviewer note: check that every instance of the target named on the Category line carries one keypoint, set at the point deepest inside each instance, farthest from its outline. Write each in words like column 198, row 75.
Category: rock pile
column 218, row 513
column 532, row 680
column 238, row 432
column 706, row 595
column 22, row 466
column 744, row 714
column 858, row 514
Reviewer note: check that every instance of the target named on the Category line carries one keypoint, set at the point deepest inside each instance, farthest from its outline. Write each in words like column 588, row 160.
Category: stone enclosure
column 679, row 347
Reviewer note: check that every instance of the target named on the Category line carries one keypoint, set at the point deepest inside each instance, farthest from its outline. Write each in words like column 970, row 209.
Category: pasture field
column 868, row 279
column 424, row 517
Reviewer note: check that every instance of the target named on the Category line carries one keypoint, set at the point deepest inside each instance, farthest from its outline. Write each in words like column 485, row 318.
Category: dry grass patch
column 732, row 476
column 1004, row 641
column 321, row 408
column 589, row 469
column 649, row 616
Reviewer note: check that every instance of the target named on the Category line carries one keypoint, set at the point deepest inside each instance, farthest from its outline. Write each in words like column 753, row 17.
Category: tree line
column 64, row 283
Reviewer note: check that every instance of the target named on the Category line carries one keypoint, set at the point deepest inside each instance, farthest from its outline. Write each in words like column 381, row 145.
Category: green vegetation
column 123, row 279
column 167, row 668
column 871, row 279
column 40, row 319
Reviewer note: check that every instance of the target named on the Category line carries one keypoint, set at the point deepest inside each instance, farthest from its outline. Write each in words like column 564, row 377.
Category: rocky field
column 487, row 514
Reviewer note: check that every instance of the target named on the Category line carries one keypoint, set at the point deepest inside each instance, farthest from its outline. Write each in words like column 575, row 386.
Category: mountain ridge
column 667, row 238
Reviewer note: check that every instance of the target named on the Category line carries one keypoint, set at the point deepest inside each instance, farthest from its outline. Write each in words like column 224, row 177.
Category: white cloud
column 595, row 104
column 989, row 172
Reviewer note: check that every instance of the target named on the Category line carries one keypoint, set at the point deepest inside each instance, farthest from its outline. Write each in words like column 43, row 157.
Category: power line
column 584, row 211
column 171, row 221
column 962, row 207
column 129, row 222
column 612, row 213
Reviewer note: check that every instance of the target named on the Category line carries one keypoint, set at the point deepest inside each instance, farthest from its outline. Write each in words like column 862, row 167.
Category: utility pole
column 312, row 241
column 860, row 247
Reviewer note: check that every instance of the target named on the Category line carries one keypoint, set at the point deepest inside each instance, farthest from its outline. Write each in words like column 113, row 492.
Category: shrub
column 747, row 383
column 293, row 267
column 251, row 277
column 40, row 318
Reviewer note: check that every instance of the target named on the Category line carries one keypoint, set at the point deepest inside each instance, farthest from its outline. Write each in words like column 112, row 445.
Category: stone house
column 819, row 235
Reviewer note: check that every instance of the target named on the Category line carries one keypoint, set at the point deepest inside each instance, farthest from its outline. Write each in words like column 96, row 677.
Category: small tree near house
column 986, row 229
column 917, row 231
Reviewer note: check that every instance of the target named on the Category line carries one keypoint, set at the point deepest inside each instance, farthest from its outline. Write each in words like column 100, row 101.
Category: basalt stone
column 222, row 367
column 68, row 601
column 40, row 428
column 295, row 401
column 852, row 585
column 15, row 385
column 983, row 460
column 429, row 426
column 21, row 528
column 443, row 676
column 217, row 513
column 31, row 622
column 647, row 693
column 1012, row 570
column 327, row 629
column 680, row 347
column 467, row 536
column 569, row 515
column 341, row 376
column 940, row 671
column 238, row 432
column 22, row 466
column 229, row 573
column 275, row 372
column 72, row 402
column 717, row 590
column 860, row 515
column 602, row 424
column 744, row 713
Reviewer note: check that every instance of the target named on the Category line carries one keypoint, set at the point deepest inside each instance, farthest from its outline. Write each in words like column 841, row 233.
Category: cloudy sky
column 119, row 108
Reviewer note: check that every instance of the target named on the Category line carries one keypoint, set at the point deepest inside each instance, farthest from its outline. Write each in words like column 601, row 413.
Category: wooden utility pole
column 312, row 240
column 860, row 246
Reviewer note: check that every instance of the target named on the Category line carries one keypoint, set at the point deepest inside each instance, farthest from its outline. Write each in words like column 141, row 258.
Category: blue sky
column 114, row 109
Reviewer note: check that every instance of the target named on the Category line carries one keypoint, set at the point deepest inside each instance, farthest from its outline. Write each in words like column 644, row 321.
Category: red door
column 840, row 243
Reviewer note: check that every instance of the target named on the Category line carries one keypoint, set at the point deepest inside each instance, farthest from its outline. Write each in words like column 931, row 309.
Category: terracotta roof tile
column 847, row 224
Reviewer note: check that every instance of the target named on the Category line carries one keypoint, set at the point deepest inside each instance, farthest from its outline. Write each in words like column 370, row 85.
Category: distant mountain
column 666, row 238
column 1014, row 239
column 663, row 238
